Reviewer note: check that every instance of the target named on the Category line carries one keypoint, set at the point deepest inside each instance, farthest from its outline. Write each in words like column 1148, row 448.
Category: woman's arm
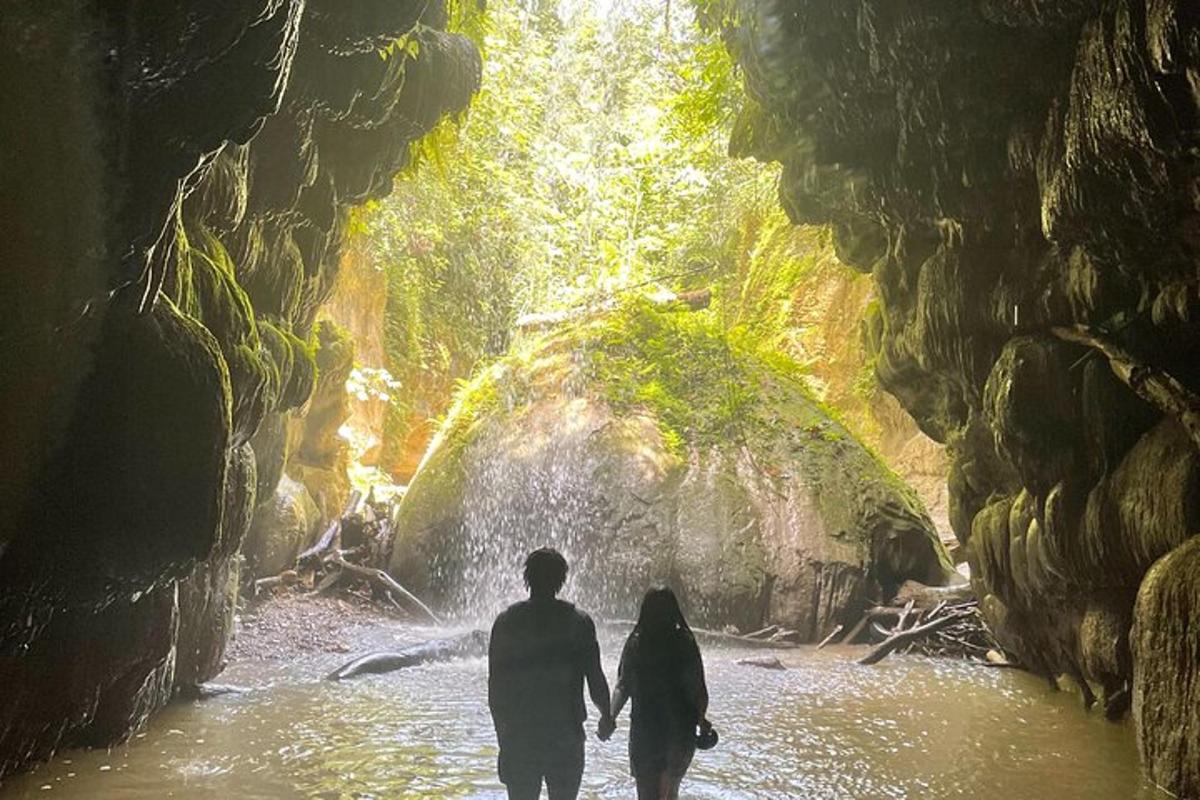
column 695, row 685
column 618, row 700
column 621, row 694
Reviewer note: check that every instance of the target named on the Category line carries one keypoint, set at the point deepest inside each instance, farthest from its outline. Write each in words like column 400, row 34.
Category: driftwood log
column 467, row 645
column 207, row 691
column 289, row 577
column 833, row 635
column 948, row 629
column 762, row 662
column 327, row 563
column 923, row 596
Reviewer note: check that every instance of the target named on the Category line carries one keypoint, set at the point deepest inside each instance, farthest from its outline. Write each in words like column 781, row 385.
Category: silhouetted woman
column 661, row 671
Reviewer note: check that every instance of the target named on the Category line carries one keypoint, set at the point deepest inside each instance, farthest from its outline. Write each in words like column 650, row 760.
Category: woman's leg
column 657, row 786
column 649, row 786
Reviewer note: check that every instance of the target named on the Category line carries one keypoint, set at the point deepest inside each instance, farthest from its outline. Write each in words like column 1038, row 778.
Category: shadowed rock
column 1005, row 167
column 172, row 225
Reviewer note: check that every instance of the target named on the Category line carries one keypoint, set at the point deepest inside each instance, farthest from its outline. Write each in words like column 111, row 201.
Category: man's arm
column 497, row 666
column 597, row 683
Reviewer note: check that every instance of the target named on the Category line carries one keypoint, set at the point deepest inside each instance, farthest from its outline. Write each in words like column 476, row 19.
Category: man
column 541, row 651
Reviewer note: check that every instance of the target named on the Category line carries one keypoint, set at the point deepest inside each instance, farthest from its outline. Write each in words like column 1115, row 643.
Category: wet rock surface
column 800, row 526
column 176, row 185
column 1004, row 169
column 1166, row 643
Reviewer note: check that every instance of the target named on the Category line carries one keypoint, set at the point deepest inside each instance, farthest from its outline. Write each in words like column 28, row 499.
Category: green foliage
column 593, row 160
column 469, row 18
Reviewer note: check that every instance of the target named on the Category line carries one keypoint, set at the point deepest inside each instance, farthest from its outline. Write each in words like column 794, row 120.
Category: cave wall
column 1005, row 168
column 175, row 184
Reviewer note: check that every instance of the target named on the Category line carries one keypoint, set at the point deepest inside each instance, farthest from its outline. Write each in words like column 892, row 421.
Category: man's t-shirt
column 539, row 654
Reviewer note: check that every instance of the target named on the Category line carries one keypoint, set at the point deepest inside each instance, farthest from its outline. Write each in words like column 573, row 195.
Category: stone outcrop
column 1005, row 168
column 283, row 526
column 776, row 514
column 1166, row 642
column 175, row 185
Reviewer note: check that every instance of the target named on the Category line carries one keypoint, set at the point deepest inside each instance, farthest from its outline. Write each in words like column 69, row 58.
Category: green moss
column 293, row 364
column 704, row 384
column 710, row 390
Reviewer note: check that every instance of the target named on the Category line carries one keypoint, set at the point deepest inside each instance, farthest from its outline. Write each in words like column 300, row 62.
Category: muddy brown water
column 824, row 729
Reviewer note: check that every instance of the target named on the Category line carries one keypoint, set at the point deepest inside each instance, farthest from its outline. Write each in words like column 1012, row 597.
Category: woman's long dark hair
column 659, row 618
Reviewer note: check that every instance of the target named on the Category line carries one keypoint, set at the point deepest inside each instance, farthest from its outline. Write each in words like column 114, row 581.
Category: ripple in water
column 826, row 729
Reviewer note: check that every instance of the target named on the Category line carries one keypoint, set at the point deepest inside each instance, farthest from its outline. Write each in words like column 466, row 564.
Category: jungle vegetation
column 592, row 168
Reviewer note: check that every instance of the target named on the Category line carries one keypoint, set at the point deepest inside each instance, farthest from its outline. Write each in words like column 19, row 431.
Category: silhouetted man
column 540, row 652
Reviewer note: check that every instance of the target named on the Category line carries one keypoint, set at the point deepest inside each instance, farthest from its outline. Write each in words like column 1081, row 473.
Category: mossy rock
column 652, row 446
column 283, row 525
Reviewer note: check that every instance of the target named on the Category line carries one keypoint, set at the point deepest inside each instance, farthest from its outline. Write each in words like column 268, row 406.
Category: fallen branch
column 385, row 582
column 833, row 634
column 786, row 635
column 857, row 630
column 762, row 633
column 763, row 662
column 312, row 555
column 923, row 596
column 904, row 616
column 207, row 691
column 720, row 637
column 289, row 577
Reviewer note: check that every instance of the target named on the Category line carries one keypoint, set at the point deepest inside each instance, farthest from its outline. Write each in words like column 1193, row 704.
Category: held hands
column 605, row 727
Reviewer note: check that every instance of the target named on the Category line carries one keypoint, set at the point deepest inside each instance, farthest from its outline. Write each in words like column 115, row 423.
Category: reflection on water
column 824, row 729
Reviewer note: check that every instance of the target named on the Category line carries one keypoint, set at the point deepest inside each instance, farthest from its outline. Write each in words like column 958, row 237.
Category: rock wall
column 1006, row 168
column 174, row 185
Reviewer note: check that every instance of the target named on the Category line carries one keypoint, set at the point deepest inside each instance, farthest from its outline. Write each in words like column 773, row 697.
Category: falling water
column 533, row 484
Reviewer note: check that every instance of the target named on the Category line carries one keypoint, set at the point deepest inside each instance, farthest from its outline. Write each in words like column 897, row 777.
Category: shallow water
column 824, row 729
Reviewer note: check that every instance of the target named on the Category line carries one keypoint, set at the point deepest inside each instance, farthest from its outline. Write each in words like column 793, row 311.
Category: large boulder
column 651, row 447
column 283, row 526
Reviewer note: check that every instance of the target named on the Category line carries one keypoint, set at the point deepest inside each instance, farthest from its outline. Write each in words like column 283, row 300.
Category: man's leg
column 565, row 774
column 520, row 776
column 524, row 787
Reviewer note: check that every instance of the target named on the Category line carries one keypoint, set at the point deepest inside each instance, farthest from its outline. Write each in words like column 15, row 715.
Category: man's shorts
column 523, row 765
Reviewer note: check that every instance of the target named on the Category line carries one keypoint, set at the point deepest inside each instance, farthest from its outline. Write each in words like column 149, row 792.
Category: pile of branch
column 349, row 554
column 954, row 630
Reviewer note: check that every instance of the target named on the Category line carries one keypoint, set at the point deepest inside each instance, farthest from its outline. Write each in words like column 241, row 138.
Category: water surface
column 825, row 729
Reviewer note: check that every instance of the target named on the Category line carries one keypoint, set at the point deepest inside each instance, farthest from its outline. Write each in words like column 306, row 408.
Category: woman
column 662, row 673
